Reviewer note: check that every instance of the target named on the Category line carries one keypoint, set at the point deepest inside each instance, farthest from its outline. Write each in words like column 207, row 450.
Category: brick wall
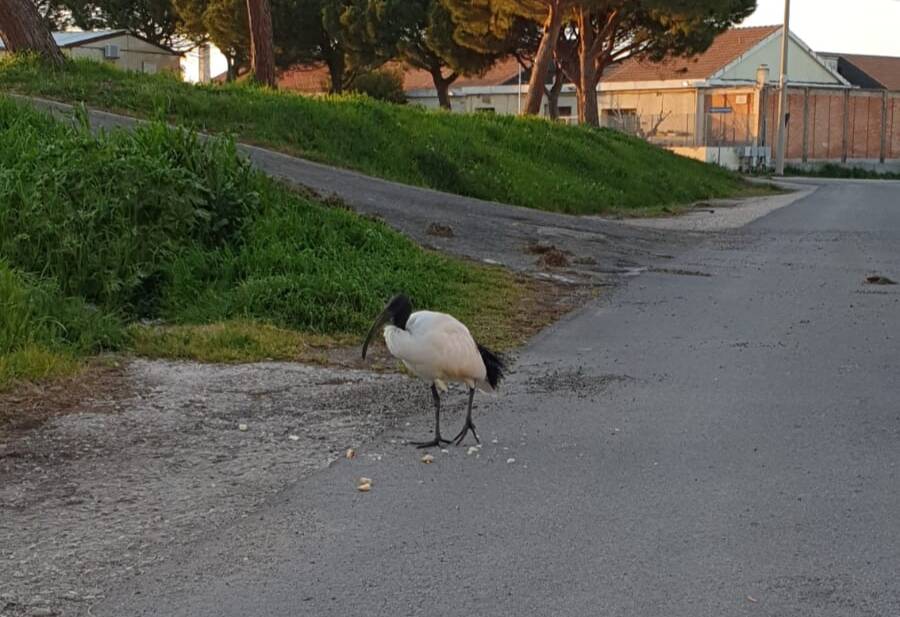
column 838, row 125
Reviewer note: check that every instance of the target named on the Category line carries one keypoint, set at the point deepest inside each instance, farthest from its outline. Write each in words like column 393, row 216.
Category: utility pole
column 782, row 97
column 519, row 92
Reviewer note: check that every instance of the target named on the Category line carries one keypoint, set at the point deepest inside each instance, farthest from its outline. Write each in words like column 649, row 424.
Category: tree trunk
column 553, row 93
column 442, row 85
column 336, row 72
column 588, row 110
column 542, row 60
column 262, row 53
column 22, row 29
column 443, row 92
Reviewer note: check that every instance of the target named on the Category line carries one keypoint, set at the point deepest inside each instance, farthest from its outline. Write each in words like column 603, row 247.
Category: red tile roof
column 884, row 69
column 727, row 47
column 308, row 79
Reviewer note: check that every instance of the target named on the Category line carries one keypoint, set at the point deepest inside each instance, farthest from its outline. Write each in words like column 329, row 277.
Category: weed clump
column 99, row 231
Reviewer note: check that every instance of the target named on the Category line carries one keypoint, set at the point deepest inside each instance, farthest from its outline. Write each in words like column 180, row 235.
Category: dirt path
column 103, row 491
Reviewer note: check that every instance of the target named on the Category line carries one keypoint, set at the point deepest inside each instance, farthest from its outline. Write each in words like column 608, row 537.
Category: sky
column 862, row 26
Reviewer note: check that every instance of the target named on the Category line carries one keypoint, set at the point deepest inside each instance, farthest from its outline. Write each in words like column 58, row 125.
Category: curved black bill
column 382, row 319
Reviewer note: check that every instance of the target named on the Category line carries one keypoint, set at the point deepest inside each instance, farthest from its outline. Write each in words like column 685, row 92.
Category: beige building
column 119, row 48
column 707, row 106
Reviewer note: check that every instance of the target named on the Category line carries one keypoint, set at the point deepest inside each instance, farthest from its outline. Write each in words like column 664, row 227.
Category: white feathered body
column 437, row 347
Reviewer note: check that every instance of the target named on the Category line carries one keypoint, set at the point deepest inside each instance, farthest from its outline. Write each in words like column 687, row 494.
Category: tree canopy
column 154, row 20
column 223, row 23
column 421, row 33
column 584, row 36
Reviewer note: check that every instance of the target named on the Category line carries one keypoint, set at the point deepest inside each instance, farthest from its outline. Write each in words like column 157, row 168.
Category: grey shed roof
column 73, row 39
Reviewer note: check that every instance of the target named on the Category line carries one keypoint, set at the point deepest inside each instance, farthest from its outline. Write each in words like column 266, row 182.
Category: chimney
column 204, row 75
column 762, row 75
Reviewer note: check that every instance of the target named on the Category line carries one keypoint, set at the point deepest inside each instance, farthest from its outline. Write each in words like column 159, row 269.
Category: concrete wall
column 506, row 103
column 725, row 156
column 663, row 116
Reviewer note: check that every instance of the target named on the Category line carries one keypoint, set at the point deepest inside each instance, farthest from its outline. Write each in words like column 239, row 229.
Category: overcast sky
column 862, row 26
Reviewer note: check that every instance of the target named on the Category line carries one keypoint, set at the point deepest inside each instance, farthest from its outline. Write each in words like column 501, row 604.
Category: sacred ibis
column 438, row 348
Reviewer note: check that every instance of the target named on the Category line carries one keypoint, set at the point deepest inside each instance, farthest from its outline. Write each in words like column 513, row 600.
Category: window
column 565, row 111
column 485, row 110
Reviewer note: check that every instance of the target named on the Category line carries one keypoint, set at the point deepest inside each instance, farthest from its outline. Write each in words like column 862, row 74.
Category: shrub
column 383, row 85
column 154, row 223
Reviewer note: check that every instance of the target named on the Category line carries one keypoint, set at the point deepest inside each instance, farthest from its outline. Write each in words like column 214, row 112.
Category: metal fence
column 729, row 129
column 666, row 129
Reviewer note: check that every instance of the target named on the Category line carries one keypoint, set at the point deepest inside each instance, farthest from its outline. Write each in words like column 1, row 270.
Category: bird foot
column 436, row 442
column 465, row 431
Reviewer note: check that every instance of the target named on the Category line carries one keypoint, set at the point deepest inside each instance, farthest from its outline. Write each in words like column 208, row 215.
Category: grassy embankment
column 528, row 162
column 101, row 233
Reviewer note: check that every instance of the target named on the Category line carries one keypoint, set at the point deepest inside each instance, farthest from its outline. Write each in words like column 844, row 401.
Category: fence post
column 762, row 117
column 700, row 120
column 805, row 124
column 846, row 123
column 883, row 152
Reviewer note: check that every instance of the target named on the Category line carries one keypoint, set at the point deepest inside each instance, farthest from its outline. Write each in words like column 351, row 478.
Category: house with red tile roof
column 717, row 106
column 684, row 103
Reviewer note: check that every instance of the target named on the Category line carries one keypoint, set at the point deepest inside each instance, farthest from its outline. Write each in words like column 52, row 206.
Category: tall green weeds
column 100, row 230
column 527, row 162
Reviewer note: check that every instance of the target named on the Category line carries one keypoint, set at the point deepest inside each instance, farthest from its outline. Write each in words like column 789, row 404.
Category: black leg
column 438, row 440
column 469, row 426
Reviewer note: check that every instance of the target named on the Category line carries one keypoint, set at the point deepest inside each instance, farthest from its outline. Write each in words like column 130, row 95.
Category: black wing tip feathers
column 494, row 365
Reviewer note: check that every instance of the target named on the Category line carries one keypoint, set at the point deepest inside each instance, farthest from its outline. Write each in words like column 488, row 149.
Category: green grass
column 528, row 162
column 42, row 331
column 101, row 231
column 235, row 341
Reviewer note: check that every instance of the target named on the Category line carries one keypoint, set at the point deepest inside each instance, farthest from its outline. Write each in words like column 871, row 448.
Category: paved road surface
column 701, row 446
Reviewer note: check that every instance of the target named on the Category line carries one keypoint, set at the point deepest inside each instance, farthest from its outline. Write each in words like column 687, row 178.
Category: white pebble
column 510, row 461
column 242, row 427
column 472, row 450
column 427, row 459
column 294, row 437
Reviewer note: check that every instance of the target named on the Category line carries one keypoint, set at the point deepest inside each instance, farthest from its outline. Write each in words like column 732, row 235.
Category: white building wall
column 134, row 54
column 802, row 67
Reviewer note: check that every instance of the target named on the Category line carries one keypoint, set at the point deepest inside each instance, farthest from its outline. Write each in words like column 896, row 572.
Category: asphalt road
column 687, row 446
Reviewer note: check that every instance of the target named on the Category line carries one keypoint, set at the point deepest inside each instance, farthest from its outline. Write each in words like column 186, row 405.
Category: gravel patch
column 92, row 497
column 726, row 214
